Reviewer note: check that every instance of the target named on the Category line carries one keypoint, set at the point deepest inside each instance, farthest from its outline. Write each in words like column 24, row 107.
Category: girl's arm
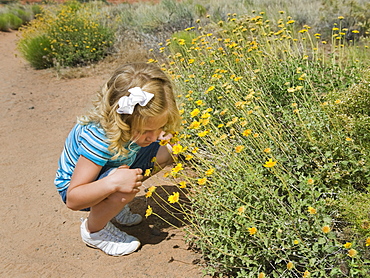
column 85, row 191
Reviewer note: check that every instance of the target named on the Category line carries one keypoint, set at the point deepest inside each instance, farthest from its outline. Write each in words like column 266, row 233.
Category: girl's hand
column 126, row 180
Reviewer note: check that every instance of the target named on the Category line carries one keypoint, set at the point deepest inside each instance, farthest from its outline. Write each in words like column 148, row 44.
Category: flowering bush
column 262, row 156
column 66, row 35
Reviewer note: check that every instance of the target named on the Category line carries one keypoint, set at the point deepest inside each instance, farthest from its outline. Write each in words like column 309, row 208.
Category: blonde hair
column 117, row 126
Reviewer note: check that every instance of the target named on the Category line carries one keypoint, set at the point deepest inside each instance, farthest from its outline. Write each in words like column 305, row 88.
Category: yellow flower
column 182, row 184
column 163, row 142
column 270, row 163
column 206, row 115
column 223, row 112
column 210, row 171
column 177, row 168
column 241, row 210
column 291, row 90
column 243, row 123
column 310, row 181
column 267, row 150
column 204, row 121
column 311, row 210
column 338, row 101
column 147, row 172
column 296, row 242
column 298, row 88
column 202, row 181
column 203, row 133
column 349, row 139
column 290, row 265
column 306, row 274
column 189, row 157
column 194, row 125
column 176, row 149
column 199, row 102
column 195, row 112
column 367, row 241
column 211, row 88
column 326, row 229
column 149, row 211
column 247, row 132
column 352, row 253
column 302, row 77
column 261, row 275
column 150, row 192
column 347, row 245
column 174, row 198
column 252, row 231
column 239, row 148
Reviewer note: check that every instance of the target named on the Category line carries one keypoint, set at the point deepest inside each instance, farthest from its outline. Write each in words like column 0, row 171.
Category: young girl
column 106, row 153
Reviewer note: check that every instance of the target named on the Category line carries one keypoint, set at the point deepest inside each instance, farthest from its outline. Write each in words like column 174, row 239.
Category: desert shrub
column 200, row 10
column 24, row 14
column 182, row 38
column 74, row 33
column 36, row 51
column 36, row 10
column 262, row 156
column 354, row 109
column 4, row 23
column 167, row 15
column 9, row 21
column 14, row 15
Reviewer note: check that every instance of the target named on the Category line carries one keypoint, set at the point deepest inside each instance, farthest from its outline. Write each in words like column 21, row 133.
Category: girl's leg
column 98, row 232
column 164, row 157
column 103, row 212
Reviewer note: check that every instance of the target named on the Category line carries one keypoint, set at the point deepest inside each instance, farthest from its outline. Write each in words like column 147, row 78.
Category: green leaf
column 321, row 240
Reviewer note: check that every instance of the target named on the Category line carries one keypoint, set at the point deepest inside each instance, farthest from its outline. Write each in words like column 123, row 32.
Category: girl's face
column 151, row 130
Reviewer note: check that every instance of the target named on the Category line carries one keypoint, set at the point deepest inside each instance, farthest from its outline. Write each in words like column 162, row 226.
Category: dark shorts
column 144, row 160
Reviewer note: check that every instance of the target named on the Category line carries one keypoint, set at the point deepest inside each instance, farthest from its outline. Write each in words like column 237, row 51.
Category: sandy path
column 39, row 236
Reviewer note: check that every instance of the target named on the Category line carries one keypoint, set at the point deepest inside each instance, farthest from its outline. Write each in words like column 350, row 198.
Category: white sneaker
column 127, row 218
column 110, row 240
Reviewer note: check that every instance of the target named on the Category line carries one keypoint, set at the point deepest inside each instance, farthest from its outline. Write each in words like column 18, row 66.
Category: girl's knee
column 164, row 157
column 120, row 198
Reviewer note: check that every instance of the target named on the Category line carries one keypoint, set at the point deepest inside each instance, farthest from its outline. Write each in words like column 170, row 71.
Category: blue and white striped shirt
column 91, row 142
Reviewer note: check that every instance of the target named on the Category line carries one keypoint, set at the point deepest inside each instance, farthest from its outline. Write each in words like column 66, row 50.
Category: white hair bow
column 126, row 104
